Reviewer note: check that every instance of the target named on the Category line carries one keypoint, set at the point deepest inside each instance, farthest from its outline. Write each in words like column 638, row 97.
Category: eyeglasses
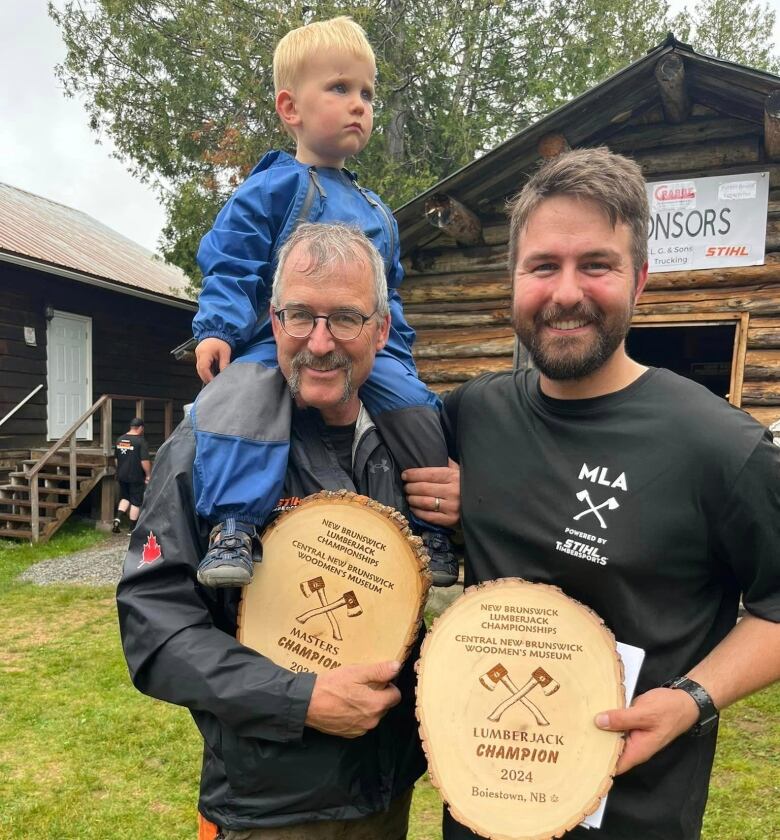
column 344, row 325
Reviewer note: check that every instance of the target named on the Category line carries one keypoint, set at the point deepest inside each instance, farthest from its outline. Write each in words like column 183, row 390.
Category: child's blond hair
column 298, row 45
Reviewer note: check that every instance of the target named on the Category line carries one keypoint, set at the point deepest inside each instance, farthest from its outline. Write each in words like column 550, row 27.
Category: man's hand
column 652, row 721
column 350, row 700
column 424, row 485
column 211, row 353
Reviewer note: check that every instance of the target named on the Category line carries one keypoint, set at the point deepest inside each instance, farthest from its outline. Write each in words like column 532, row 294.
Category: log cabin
column 681, row 115
column 87, row 320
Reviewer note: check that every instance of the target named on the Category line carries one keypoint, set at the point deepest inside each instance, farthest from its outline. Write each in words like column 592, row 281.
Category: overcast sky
column 46, row 146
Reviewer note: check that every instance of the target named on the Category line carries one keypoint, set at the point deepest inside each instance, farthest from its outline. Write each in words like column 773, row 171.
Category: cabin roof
column 590, row 119
column 39, row 233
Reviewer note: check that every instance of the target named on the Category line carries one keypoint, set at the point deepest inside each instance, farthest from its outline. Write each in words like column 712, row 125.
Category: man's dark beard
column 555, row 357
column 330, row 361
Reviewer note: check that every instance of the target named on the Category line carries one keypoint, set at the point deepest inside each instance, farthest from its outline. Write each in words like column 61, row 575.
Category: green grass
column 16, row 556
column 745, row 784
column 84, row 755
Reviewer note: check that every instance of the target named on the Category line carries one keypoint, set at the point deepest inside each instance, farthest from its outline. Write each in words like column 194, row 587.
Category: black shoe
column 233, row 548
column 115, row 528
column 443, row 565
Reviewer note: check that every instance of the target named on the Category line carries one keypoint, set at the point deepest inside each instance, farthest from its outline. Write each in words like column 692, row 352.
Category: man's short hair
column 612, row 181
column 136, row 423
column 340, row 34
column 329, row 246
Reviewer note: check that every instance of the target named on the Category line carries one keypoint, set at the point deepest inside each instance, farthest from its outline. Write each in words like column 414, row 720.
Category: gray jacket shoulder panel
column 259, row 399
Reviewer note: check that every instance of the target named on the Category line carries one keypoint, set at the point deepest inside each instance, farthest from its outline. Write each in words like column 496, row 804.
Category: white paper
column 632, row 657
column 714, row 222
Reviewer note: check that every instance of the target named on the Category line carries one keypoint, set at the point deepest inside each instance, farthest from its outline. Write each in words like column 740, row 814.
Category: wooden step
column 22, row 517
column 42, row 491
column 14, row 532
column 64, row 461
column 83, row 456
column 27, row 503
column 80, row 448
column 54, row 491
column 57, row 476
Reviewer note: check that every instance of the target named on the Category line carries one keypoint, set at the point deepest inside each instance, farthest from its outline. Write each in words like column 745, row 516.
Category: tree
column 185, row 88
column 736, row 30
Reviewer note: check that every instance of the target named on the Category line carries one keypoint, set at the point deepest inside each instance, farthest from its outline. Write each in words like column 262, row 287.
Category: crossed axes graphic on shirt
column 611, row 504
column 498, row 674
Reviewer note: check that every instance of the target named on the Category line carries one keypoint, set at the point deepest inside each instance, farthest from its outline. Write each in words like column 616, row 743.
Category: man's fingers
column 444, row 518
column 377, row 674
column 636, row 751
column 433, row 493
column 349, row 701
column 388, row 696
column 427, row 475
column 619, row 720
column 426, row 494
column 655, row 719
column 427, row 501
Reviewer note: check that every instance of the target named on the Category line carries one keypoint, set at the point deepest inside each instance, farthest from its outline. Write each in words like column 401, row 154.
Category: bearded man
column 682, row 491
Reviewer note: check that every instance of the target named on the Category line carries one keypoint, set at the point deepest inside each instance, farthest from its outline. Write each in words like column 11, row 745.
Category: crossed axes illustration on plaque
column 348, row 599
column 498, row 674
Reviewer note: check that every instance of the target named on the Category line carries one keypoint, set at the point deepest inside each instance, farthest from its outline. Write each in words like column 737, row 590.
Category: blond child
column 324, row 79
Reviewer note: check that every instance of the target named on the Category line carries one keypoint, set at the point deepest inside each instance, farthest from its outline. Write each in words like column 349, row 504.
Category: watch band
column 708, row 714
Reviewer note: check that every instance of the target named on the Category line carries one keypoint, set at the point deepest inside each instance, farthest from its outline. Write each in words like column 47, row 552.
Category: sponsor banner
column 708, row 222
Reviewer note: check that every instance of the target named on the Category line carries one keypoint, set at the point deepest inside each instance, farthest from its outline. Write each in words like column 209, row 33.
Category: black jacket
column 261, row 766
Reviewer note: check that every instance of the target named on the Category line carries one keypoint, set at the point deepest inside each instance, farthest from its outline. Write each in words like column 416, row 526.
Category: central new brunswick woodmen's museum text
column 519, row 620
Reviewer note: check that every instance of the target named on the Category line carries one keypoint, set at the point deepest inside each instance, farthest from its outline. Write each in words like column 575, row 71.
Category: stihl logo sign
column 727, row 251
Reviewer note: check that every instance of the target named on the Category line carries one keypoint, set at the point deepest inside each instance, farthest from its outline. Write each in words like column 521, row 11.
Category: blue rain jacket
column 238, row 255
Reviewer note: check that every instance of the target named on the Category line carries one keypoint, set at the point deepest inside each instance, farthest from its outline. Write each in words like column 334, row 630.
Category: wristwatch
column 708, row 714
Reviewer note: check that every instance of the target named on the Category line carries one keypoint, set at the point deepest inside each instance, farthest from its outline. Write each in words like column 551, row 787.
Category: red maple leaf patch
column 152, row 550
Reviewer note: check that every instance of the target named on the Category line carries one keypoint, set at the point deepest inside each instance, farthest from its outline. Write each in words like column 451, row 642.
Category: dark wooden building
column 679, row 114
column 86, row 317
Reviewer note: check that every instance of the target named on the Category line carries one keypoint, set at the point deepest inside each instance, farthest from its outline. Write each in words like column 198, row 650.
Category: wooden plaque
column 510, row 679
column 342, row 581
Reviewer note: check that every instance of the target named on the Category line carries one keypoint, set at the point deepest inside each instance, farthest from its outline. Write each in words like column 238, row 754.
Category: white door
column 69, row 373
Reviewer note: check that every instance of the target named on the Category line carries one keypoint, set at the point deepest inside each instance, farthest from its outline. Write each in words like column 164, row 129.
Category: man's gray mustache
column 330, row 361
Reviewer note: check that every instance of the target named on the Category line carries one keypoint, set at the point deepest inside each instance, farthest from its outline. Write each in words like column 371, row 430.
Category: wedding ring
column 436, row 503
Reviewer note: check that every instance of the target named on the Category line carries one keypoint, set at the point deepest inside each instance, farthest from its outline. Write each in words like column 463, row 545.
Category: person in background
column 133, row 470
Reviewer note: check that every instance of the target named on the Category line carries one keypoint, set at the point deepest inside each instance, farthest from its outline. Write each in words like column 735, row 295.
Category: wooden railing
column 21, row 403
column 105, row 405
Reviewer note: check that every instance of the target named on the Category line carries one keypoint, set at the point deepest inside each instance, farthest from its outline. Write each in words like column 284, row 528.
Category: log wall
column 131, row 343
column 458, row 297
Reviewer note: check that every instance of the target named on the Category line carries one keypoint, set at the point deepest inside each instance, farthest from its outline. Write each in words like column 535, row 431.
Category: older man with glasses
column 287, row 755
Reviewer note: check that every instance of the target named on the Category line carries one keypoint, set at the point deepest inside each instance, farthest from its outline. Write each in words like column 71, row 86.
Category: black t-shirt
column 656, row 506
column 339, row 440
column 130, row 451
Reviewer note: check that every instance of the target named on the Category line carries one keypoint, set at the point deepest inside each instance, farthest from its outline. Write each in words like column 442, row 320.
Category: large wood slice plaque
column 343, row 581
column 510, row 679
